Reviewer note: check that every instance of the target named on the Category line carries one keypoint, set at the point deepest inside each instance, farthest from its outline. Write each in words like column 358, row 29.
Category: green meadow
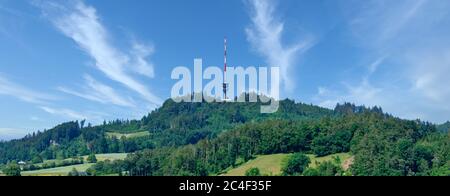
column 271, row 165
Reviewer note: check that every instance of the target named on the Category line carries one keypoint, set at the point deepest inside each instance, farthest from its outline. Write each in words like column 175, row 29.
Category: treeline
column 122, row 126
column 53, row 164
column 382, row 145
column 32, row 145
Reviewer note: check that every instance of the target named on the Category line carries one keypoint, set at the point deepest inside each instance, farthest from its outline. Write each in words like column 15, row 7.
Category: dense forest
column 381, row 146
column 207, row 138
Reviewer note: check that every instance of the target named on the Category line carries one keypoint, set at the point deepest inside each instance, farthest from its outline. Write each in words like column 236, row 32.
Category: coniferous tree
column 92, row 158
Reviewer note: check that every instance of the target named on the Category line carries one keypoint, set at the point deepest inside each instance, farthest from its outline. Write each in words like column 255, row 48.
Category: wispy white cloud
column 373, row 67
column 363, row 93
column 81, row 23
column 35, row 118
column 43, row 102
column 381, row 21
column 414, row 84
column 98, row 92
column 429, row 73
column 23, row 93
column 266, row 34
column 69, row 114
column 66, row 113
column 140, row 53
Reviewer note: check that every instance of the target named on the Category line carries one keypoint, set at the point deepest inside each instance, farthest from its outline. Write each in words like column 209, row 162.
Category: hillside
column 444, row 127
column 198, row 139
column 173, row 124
column 380, row 144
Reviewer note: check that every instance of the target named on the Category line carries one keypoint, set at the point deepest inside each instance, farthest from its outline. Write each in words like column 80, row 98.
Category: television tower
column 225, row 84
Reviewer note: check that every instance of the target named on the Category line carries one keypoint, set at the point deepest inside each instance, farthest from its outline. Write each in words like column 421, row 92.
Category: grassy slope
column 271, row 164
column 57, row 171
column 62, row 171
column 315, row 160
column 128, row 135
column 100, row 157
column 111, row 156
column 267, row 164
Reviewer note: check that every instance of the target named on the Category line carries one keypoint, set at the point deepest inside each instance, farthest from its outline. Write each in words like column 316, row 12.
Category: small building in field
column 22, row 164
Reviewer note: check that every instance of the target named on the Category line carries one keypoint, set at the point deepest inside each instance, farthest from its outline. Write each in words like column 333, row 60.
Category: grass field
column 111, row 156
column 63, row 171
column 128, row 135
column 57, row 171
column 271, row 164
column 100, row 157
column 314, row 160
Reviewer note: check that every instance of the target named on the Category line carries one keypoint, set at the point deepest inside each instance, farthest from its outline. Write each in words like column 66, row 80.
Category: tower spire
column 225, row 54
column 225, row 84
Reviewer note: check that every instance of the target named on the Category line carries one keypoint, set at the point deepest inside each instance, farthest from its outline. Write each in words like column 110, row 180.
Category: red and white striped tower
column 225, row 84
column 225, row 54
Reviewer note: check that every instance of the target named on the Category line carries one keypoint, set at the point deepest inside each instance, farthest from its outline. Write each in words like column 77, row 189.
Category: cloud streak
column 81, row 23
column 64, row 113
column 98, row 92
column 69, row 114
column 380, row 22
column 265, row 35
column 44, row 101
column 415, row 75
column 25, row 94
column 140, row 53
column 363, row 93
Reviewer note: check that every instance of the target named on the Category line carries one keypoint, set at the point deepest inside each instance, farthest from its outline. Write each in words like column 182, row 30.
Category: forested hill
column 444, row 127
column 207, row 138
column 173, row 124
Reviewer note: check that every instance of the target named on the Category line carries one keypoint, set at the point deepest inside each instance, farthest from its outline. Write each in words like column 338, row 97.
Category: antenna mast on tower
column 225, row 84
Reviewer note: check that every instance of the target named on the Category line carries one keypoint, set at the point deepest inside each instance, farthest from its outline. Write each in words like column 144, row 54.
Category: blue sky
column 96, row 60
